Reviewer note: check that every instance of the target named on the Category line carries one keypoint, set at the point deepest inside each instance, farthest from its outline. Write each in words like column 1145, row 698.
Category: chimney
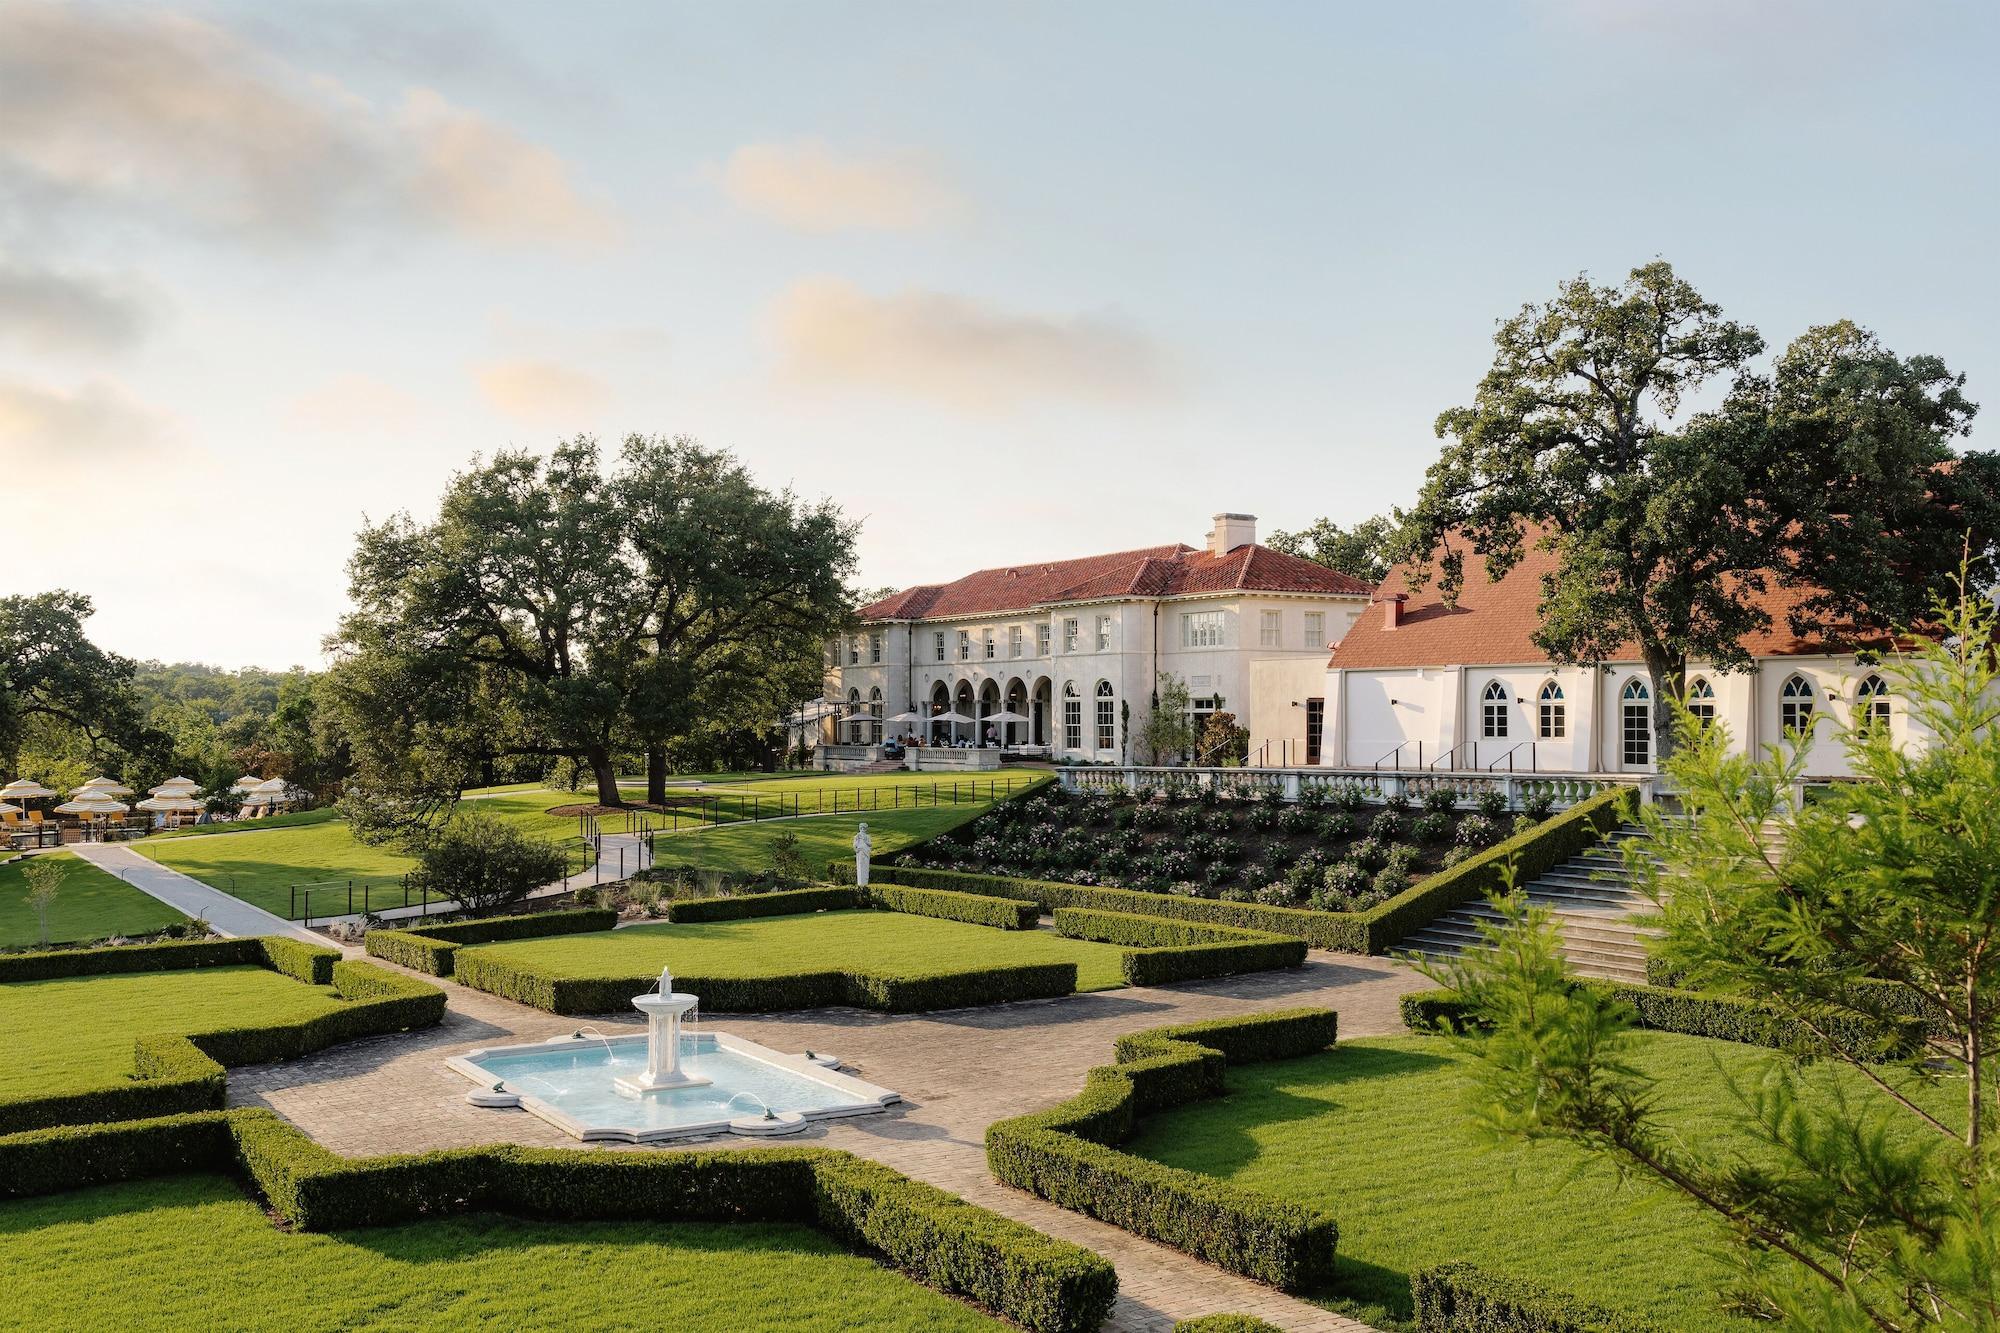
column 1231, row 531
column 1392, row 610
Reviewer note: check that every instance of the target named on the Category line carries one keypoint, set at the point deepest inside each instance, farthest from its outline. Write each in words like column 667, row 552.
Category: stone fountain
column 664, row 1007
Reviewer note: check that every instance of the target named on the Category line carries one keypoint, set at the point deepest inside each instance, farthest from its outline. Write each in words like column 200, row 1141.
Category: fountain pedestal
column 663, row 1045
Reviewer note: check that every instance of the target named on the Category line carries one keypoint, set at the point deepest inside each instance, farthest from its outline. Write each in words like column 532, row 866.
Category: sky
column 1007, row 281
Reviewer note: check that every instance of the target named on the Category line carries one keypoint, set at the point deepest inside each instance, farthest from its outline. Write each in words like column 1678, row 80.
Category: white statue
column 862, row 847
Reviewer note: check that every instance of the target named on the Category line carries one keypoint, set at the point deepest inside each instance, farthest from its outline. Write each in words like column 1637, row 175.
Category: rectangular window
column 1555, row 720
column 965, row 645
column 1638, row 733
column 1069, row 634
column 1201, row 629
column 986, row 642
column 1493, row 719
column 1315, row 629
column 1270, row 628
column 1042, row 639
column 1072, row 723
column 1013, row 641
column 1107, row 721
column 1315, row 728
column 874, row 647
column 938, row 639
column 854, row 651
column 1104, row 634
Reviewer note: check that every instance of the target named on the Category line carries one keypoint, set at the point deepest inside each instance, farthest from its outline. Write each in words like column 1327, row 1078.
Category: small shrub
column 1476, row 831
column 1431, row 827
column 788, row 863
column 1491, row 802
column 1369, row 853
column 1539, row 805
column 1398, row 802
column 1348, row 797
column 1295, row 819
column 1346, row 877
column 1440, row 800
column 1391, row 880
column 1387, row 826
column 485, row 864
column 1336, row 825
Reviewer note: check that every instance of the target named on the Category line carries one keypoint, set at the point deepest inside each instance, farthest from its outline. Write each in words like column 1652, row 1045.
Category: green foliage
column 743, row 907
column 485, row 864
column 1225, row 1323
column 44, row 876
column 1161, row 951
column 1368, row 550
column 971, row 908
column 788, row 863
column 1068, row 1156
column 51, row 674
column 1461, row 1298
column 1168, row 733
column 76, row 1156
column 430, row 948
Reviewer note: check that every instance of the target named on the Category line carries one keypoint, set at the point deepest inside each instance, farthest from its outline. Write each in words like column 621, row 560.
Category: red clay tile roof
column 1155, row 571
column 1494, row 623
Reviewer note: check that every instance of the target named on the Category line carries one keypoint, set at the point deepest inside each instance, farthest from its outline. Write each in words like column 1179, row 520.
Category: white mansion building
column 1075, row 647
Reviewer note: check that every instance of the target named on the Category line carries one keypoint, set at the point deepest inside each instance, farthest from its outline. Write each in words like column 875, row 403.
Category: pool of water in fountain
column 577, row 1080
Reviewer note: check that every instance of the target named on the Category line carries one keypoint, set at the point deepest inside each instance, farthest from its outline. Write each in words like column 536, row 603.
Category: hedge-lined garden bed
column 940, row 1240
column 431, row 949
column 184, row 1072
column 1159, row 951
column 1069, row 1155
column 1462, row 1298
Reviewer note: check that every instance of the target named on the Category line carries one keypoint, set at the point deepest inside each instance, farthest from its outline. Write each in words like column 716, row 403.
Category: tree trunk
column 1669, row 682
column 607, row 777
column 656, row 774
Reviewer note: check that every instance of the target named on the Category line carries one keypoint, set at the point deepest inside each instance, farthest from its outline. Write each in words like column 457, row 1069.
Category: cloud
column 69, row 428
column 541, row 391
column 357, row 403
column 960, row 351
column 47, row 310
column 153, row 110
column 810, row 187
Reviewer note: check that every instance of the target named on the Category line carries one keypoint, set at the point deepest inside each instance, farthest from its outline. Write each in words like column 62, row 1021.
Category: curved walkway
column 225, row 914
column 958, row 1072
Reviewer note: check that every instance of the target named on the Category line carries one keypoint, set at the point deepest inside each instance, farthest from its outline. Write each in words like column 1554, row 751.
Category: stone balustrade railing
column 1563, row 790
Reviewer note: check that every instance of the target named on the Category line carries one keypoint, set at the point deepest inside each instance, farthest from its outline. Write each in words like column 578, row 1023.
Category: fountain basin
column 580, row 1085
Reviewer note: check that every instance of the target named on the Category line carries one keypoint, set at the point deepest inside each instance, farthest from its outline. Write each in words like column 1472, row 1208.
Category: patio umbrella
column 186, row 786
column 25, row 789
column 248, row 782
column 103, row 787
column 908, row 717
column 1004, row 717
column 953, row 718
column 91, row 803
column 173, row 803
column 6, row 809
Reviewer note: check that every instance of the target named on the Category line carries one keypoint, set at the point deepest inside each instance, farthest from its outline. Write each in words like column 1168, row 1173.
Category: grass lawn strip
column 91, row 905
column 1376, row 1132
column 72, row 1033
column 261, row 867
column 857, row 940
column 207, row 1257
column 746, row 847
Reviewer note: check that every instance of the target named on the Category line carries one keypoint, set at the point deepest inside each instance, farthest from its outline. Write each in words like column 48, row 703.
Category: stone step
column 1629, row 944
column 1584, row 962
column 1586, row 897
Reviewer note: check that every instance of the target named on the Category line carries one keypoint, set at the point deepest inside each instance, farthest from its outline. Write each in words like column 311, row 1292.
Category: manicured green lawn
column 260, row 867
column 192, row 1252
column 746, row 847
column 91, row 905
column 76, row 1032
column 1375, row 1132
column 782, row 944
column 296, row 819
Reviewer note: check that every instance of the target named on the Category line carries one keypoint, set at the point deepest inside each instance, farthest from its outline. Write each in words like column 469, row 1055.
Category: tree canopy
column 1367, row 550
column 1832, row 475
column 51, row 673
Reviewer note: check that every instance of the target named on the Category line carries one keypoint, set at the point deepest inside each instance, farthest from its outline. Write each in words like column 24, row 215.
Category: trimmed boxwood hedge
column 1226, row 1323
column 1376, row 930
column 1035, row 1280
column 1160, row 951
column 977, row 909
column 744, row 906
column 905, row 992
column 1460, row 1298
column 1066, row 1154
column 430, row 948
column 176, row 1074
column 164, row 956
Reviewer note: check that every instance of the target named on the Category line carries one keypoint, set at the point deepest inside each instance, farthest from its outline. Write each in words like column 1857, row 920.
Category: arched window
column 875, row 707
column 1872, row 703
column 1701, row 701
column 1635, row 716
column 1553, row 713
column 1795, row 704
column 1493, row 712
column 1107, row 717
column 1072, row 717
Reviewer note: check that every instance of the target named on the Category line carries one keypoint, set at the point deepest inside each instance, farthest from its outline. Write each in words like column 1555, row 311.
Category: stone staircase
column 1593, row 899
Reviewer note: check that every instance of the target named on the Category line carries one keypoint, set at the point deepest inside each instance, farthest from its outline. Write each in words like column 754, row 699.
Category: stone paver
column 189, row 896
column 958, row 1072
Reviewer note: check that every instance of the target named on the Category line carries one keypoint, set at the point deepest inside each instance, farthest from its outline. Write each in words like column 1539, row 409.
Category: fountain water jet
column 663, row 1007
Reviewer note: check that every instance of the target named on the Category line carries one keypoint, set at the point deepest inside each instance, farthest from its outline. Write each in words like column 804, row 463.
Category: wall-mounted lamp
column 1394, row 702
column 1832, row 695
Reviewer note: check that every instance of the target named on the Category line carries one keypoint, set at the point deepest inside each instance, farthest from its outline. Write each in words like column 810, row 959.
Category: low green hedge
column 1226, row 1323
column 164, row 956
column 430, row 949
column 1067, row 1154
column 176, row 1074
column 1035, row 1280
column 977, row 909
column 744, row 906
column 904, row 992
column 1161, row 951
column 1460, row 1298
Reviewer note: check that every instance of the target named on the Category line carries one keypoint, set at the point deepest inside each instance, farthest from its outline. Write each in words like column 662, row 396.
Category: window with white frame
column 874, row 647
column 854, row 651
column 1107, row 717
column 1072, row 717
column 875, row 707
column 938, row 638
column 1636, row 722
column 1315, row 629
column 1552, row 712
column 1042, row 639
column 1701, row 702
column 1104, row 634
column 1201, row 629
column 965, row 645
column 1872, row 696
column 1013, row 641
column 1493, row 712
column 1795, row 704
column 1069, row 634
column 1270, row 628
column 986, row 641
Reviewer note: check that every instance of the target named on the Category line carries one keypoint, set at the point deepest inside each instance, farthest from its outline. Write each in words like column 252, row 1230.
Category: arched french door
column 1017, row 702
column 989, row 704
column 940, row 732
column 965, row 707
column 1044, row 703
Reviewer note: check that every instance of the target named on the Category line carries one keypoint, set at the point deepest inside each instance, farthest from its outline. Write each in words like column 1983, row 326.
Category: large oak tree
column 1833, row 474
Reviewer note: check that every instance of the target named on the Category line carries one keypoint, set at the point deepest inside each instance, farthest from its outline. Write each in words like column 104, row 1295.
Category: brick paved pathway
column 957, row 1071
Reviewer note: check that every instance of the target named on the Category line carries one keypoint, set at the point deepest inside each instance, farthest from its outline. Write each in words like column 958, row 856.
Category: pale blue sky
column 1007, row 280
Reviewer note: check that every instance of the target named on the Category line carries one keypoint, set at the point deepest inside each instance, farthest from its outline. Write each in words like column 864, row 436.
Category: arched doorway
column 989, row 704
column 1044, row 700
column 1017, row 702
column 940, row 703
column 964, row 707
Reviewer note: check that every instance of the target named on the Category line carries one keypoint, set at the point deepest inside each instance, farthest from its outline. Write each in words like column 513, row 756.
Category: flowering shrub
column 1476, row 831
